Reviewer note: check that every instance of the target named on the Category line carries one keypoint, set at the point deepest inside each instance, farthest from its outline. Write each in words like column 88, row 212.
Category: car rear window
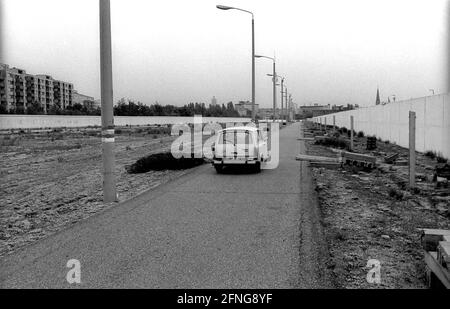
column 236, row 137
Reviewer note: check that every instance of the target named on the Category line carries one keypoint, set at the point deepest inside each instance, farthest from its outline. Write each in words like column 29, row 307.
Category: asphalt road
column 204, row 230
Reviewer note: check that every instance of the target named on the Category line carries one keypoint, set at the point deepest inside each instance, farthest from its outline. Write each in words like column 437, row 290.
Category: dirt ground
column 373, row 215
column 50, row 180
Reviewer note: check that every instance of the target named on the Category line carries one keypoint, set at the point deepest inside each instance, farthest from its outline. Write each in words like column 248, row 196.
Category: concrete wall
column 390, row 122
column 8, row 122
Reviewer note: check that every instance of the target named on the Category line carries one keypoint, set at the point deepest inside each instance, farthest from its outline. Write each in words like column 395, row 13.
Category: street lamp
column 225, row 8
column 282, row 94
column 274, row 78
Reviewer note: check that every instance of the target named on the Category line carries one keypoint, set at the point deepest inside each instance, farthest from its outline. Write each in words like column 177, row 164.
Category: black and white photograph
column 225, row 151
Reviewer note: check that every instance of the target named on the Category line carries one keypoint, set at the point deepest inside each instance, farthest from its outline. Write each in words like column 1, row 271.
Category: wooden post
column 412, row 149
column 351, row 133
column 325, row 124
column 334, row 122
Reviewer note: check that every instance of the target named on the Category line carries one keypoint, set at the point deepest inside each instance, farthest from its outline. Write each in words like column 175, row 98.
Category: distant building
column 244, row 108
column 213, row 101
column 267, row 113
column 18, row 90
column 86, row 101
column 315, row 110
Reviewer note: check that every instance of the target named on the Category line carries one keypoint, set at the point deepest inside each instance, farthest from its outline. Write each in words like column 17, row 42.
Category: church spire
column 377, row 101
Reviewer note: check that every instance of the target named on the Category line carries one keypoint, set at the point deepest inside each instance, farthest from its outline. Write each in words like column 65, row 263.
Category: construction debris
column 358, row 159
column 302, row 157
column 442, row 170
column 437, row 257
column 390, row 159
column 371, row 143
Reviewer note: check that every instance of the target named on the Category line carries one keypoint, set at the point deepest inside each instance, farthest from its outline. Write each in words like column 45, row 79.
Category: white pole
column 412, row 149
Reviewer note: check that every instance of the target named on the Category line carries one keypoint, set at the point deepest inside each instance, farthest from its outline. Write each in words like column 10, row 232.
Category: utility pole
column 290, row 107
column 282, row 93
column 286, row 100
column 253, row 70
column 109, row 181
column 412, row 149
column 274, row 90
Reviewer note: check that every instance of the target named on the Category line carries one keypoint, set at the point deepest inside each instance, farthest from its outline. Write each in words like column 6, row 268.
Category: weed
column 397, row 194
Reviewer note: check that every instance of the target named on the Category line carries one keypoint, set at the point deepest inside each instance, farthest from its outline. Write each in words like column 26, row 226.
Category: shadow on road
column 239, row 170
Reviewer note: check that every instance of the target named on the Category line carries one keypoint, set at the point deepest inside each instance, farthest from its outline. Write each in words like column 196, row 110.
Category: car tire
column 257, row 167
column 219, row 168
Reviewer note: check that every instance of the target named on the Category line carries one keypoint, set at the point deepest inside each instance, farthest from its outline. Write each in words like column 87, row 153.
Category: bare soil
column 374, row 215
column 50, row 180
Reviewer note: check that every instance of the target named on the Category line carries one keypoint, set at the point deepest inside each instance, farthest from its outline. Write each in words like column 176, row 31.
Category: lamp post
column 224, row 7
column 282, row 95
column 286, row 100
column 109, row 181
column 274, row 81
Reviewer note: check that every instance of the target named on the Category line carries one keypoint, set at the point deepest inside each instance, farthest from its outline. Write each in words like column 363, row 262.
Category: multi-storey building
column 46, row 87
column 36, row 91
column 63, row 94
column 12, row 88
column 18, row 90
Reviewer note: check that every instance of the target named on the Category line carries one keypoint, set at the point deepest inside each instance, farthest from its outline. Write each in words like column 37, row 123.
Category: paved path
column 203, row 230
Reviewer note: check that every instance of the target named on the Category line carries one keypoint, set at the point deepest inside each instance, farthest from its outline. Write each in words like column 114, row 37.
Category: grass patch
column 162, row 161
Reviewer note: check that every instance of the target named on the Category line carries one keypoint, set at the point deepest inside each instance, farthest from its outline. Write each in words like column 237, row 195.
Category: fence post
column 351, row 133
column 334, row 122
column 325, row 119
column 412, row 149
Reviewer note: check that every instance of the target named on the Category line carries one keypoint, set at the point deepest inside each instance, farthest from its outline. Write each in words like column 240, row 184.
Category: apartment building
column 36, row 91
column 12, row 88
column 18, row 90
column 63, row 94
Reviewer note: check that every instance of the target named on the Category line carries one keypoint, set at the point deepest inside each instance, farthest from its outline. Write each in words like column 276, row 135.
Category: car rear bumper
column 235, row 161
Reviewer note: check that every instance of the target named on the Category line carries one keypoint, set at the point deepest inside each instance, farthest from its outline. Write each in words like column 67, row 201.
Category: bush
column 430, row 154
column 440, row 158
column 163, row 161
column 397, row 194
column 360, row 134
column 333, row 142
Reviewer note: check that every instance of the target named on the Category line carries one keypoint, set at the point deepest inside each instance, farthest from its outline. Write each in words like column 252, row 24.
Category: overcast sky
column 179, row 51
